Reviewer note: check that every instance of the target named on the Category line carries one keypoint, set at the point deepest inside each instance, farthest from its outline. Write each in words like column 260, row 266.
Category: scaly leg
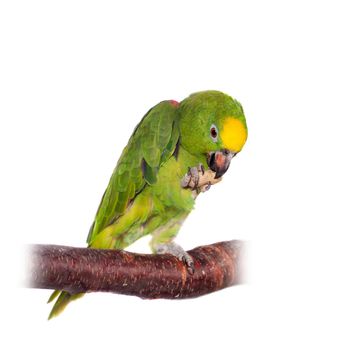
column 162, row 241
column 176, row 250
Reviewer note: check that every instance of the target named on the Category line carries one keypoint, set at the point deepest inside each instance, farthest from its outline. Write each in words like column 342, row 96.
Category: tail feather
column 63, row 299
column 53, row 296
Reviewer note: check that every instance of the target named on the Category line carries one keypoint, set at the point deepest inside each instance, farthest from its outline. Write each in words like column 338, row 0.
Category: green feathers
column 144, row 195
column 63, row 298
column 152, row 143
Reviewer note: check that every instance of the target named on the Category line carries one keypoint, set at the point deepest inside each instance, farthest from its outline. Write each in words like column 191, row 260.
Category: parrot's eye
column 214, row 133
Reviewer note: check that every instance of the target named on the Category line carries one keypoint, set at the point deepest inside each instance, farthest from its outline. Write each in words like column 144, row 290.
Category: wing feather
column 152, row 143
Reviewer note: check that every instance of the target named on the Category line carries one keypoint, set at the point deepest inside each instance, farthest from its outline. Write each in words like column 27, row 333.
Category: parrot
column 156, row 181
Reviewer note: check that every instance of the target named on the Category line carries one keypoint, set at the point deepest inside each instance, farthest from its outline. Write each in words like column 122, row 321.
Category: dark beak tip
column 219, row 169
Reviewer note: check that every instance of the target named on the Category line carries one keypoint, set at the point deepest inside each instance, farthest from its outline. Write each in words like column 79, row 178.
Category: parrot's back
column 152, row 144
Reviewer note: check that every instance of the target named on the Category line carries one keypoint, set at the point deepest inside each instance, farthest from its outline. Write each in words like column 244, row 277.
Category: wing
column 152, row 143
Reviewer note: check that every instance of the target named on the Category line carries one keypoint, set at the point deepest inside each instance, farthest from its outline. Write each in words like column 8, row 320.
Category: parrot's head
column 213, row 124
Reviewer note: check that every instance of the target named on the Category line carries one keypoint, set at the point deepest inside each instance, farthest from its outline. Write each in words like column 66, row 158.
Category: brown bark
column 145, row 275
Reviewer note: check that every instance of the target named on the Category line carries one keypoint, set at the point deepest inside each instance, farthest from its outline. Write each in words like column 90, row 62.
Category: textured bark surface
column 78, row 270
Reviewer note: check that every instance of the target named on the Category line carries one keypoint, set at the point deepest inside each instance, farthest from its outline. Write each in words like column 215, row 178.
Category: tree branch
column 77, row 270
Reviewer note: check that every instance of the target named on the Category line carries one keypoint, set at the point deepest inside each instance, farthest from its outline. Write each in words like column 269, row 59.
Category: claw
column 174, row 249
column 195, row 176
column 188, row 261
column 185, row 181
column 207, row 187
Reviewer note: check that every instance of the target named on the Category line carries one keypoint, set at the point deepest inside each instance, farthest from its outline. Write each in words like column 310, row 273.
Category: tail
column 63, row 299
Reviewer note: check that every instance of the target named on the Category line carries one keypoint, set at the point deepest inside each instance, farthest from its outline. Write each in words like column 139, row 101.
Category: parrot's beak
column 219, row 161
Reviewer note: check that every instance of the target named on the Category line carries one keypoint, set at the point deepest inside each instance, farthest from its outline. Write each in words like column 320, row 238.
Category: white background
column 76, row 77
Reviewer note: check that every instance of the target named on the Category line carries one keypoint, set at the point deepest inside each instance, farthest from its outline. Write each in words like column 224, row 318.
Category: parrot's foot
column 192, row 178
column 199, row 180
column 176, row 250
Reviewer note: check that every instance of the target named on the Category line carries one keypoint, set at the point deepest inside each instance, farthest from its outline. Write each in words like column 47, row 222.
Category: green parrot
column 156, row 181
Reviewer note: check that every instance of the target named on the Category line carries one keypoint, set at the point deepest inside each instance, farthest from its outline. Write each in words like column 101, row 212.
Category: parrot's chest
column 168, row 190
